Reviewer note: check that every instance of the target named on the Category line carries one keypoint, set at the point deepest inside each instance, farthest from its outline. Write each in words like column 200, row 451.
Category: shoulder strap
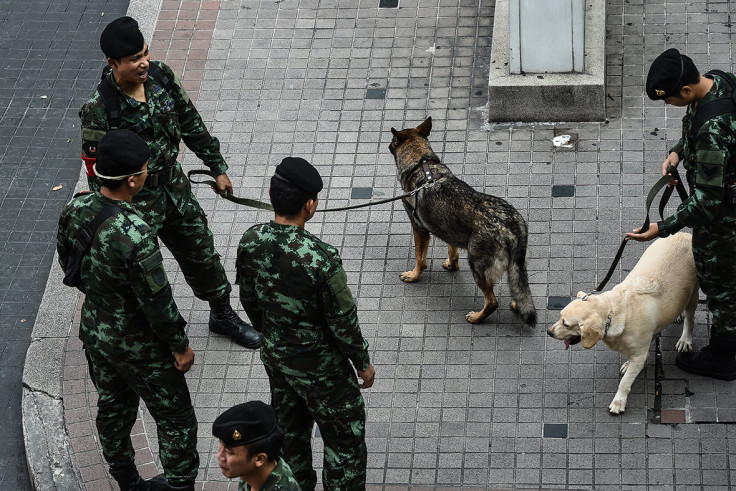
column 90, row 230
column 111, row 101
column 160, row 76
column 716, row 107
column 110, row 97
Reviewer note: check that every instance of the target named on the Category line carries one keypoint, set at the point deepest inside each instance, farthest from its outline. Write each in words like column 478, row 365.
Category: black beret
column 300, row 174
column 120, row 153
column 666, row 75
column 122, row 37
column 245, row 423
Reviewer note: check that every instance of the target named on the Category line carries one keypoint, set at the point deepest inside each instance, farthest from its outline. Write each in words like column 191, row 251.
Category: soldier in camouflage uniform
column 132, row 331
column 709, row 158
column 163, row 117
column 294, row 289
column 250, row 446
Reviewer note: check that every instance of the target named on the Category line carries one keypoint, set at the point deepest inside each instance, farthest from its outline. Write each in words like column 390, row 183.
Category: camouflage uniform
column 280, row 479
column 171, row 209
column 294, row 289
column 130, row 326
column 710, row 164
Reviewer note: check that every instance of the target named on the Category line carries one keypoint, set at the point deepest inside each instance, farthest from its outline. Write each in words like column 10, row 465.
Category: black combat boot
column 717, row 360
column 224, row 320
column 129, row 480
column 188, row 486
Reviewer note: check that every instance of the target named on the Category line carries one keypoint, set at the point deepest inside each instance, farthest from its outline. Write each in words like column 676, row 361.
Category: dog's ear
column 393, row 131
column 425, row 128
column 591, row 331
column 581, row 294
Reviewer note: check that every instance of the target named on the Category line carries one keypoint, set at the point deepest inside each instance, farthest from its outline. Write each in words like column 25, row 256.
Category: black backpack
column 72, row 273
column 110, row 95
column 716, row 107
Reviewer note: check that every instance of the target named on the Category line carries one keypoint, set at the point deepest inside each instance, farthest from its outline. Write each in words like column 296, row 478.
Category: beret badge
column 660, row 93
column 237, row 436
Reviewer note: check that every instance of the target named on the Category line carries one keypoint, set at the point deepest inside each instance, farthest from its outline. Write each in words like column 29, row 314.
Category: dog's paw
column 684, row 345
column 410, row 276
column 617, row 406
column 623, row 368
column 474, row 317
column 451, row 265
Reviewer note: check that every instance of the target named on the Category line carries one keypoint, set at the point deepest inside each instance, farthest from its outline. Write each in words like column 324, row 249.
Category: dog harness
column 428, row 178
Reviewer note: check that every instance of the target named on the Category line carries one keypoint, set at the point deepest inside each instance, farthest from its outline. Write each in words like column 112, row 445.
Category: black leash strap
column 241, row 201
column 266, row 206
column 672, row 174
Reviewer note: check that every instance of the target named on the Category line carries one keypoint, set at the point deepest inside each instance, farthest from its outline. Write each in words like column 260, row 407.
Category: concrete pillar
column 547, row 61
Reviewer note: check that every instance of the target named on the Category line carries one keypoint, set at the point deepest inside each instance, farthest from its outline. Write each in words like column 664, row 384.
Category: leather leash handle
column 672, row 174
column 241, row 201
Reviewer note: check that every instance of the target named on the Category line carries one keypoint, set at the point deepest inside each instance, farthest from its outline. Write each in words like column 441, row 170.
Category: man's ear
column 261, row 459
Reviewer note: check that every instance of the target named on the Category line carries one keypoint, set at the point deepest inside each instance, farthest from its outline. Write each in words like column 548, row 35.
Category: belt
column 161, row 177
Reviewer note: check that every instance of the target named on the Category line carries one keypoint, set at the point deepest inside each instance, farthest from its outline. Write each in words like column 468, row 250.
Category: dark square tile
column 375, row 94
column 388, row 4
column 563, row 191
column 361, row 193
column 673, row 416
column 555, row 430
column 557, row 303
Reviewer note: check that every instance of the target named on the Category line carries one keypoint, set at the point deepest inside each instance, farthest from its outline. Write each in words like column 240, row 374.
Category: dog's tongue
column 567, row 344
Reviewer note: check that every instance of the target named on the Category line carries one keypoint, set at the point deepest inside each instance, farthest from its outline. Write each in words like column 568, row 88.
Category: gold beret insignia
column 236, row 435
column 659, row 93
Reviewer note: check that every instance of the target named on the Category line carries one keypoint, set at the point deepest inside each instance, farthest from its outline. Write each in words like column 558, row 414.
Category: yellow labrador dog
column 661, row 287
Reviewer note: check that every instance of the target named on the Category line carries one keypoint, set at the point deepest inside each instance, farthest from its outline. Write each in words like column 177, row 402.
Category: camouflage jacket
column 163, row 121
column 128, row 302
column 280, row 479
column 709, row 160
column 294, row 290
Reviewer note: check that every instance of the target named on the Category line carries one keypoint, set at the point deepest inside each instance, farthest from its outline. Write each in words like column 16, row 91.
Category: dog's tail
column 520, row 291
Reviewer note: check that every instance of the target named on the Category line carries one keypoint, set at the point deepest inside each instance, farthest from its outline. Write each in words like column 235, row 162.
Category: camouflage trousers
column 714, row 251
column 334, row 402
column 185, row 233
column 120, row 385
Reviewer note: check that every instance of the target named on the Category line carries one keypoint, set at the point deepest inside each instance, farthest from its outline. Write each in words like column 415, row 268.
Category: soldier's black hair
column 270, row 445
column 286, row 199
column 115, row 184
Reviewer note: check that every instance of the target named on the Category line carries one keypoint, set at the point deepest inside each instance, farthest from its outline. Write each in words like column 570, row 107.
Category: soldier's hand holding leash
column 672, row 160
column 224, row 184
column 368, row 375
column 184, row 361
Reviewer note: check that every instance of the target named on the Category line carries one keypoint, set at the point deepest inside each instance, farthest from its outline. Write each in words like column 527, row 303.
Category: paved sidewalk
column 44, row 77
column 454, row 406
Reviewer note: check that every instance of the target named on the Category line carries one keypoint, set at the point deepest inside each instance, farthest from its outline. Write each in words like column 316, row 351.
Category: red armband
column 88, row 163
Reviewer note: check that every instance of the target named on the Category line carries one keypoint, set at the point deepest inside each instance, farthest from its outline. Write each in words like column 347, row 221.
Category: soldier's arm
column 193, row 130
column 342, row 318
column 151, row 286
column 713, row 152
column 63, row 247
column 94, row 126
column 248, row 298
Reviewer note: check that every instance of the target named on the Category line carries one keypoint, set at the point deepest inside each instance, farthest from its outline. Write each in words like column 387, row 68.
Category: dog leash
column 266, row 206
column 662, row 182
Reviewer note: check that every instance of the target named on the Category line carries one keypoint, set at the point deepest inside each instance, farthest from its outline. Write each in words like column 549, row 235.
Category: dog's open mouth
column 572, row 340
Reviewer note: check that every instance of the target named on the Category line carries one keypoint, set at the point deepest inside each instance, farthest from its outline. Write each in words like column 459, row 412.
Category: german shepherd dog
column 493, row 231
